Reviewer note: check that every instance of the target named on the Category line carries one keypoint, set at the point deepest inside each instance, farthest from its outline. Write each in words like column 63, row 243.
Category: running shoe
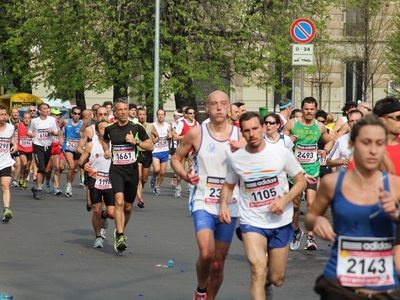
column 152, row 183
column 120, row 242
column 57, row 191
column 178, row 191
column 21, row 182
column 7, row 215
column 140, row 203
column 82, row 182
column 103, row 233
column 295, row 243
column 157, row 191
column 24, row 185
column 269, row 292
column 68, row 190
column 98, row 243
column 14, row 183
column 173, row 182
column 104, row 223
column 34, row 177
column 37, row 193
column 200, row 296
column 310, row 243
column 48, row 188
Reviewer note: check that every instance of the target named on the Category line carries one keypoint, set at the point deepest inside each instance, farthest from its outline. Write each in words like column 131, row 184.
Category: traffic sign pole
column 302, row 32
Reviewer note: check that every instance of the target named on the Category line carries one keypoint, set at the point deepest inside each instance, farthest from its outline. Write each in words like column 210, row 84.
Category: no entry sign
column 302, row 30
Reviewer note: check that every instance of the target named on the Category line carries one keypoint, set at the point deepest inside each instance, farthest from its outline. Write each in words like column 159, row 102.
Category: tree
column 94, row 45
column 365, row 34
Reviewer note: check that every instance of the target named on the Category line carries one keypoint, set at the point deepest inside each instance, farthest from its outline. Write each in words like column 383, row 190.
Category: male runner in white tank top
column 211, row 144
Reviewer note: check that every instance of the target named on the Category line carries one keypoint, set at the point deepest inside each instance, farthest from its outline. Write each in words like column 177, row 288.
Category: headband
column 177, row 114
column 286, row 105
column 387, row 109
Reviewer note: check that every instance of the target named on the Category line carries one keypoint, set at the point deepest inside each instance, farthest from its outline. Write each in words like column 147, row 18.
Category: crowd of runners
column 239, row 166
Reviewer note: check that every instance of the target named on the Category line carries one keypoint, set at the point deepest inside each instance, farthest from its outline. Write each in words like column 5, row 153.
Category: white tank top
column 99, row 163
column 162, row 144
column 5, row 145
column 210, row 163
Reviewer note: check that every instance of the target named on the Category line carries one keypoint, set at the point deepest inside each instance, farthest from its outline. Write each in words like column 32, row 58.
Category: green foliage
column 93, row 45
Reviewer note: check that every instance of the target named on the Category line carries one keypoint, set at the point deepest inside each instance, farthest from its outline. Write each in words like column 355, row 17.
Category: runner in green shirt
column 305, row 133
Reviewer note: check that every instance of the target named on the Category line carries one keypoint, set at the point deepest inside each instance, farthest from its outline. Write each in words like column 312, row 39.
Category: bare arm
column 288, row 128
column 183, row 150
column 336, row 128
column 85, row 155
column 343, row 130
column 88, row 132
column 226, row 195
column 155, row 135
column 147, row 145
column 13, row 143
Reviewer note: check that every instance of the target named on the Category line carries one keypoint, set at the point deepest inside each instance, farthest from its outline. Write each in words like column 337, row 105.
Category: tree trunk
column 80, row 99
column 186, row 100
column 119, row 91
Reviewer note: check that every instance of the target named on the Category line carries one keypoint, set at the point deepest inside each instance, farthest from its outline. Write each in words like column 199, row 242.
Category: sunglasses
column 396, row 118
column 77, row 114
column 269, row 123
column 190, row 113
column 32, row 110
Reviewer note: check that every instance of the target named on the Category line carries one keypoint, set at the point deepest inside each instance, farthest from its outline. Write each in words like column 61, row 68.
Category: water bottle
column 5, row 296
column 170, row 264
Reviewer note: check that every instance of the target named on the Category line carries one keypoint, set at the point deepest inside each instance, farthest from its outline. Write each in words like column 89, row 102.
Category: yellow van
column 19, row 100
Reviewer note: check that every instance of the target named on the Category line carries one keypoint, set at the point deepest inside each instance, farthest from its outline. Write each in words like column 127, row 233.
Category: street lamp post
column 156, row 60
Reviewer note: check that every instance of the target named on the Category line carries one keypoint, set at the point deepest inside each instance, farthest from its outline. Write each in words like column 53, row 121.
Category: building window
column 354, row 77
column 353, row 25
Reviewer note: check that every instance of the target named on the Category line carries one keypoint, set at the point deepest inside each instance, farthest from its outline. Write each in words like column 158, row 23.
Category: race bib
column 162, row 144
column 72, row 144
column 213, row 189
column 322, row 161
column 365, row 261
column 261, row 192
column 25, row 141
column 102, row 181
column 123, row 154
column 43, row 134
column 306, row 154
column 4, row 145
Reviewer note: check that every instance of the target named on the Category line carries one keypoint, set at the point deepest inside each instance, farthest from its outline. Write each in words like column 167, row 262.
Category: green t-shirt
column 305, row 147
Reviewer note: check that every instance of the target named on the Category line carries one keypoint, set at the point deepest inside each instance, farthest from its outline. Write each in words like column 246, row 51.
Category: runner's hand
column 323, row 229
column 129, row 138
column 310, row 179
column 389, row 203
column 277, row 206
column 13, row 149
column 88, row 167
column 192, row 178
column 224, row 215
column 235, row 145
column 107, row 154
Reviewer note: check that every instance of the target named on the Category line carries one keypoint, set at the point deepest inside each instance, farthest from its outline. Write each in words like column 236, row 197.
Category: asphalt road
column 46, row 253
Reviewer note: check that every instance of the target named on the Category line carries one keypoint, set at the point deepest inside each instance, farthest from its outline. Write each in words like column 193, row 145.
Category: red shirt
column 187, row 127
column 393, row 152
column 24, row 142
